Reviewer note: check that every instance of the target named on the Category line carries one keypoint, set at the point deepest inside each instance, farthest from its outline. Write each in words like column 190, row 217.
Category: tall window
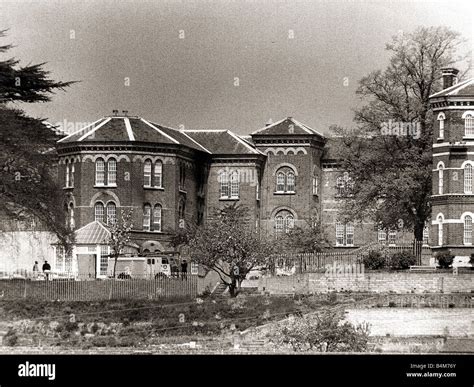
column 284, row 221
column 467, row 230
column 440, row 178
column 182, row 176
column 392, row 237
column 158, row 175
column 344, row 234
column 315, row 185
column 71, row 179
column 468, row 178
column 111, row 213
column 426, row 235
column 441, row 118
column 147, row 173
column 112, row 172
column 285, row 180
column 340, row 234
column 381, row 235
column 181, row 208
column 234, row 184
column 146, row 217
column 440, row 230
column 224, row 187
column 349, row 234
column 71, row 216
column 468, row 124
column 104, row 259
column 100, row 172
column 67, row 174
column 344, row 185
column 157, row 217
column 99, row 212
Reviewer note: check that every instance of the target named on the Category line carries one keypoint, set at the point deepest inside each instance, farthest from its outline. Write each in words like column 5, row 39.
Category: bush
column 375, row 260
column 402, row 260
column 11, row 338
column 445, row 260
column 104, row 341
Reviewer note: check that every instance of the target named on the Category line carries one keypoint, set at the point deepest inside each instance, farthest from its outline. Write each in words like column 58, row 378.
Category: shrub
column 104, row 341
column 402, row 260
column 374, row 260
column 11, row 338
column 444, row 259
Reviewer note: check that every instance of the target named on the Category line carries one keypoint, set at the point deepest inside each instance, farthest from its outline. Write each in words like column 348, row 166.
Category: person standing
column 35, row 269
column 184, row 269
column 46, row 269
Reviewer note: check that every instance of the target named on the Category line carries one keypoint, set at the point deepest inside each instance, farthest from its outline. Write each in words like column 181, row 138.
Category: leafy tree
column 324, row 332
column 120, row 233
column 227, row 245
column 28, row 181
column 308, row 238
column 391, row 170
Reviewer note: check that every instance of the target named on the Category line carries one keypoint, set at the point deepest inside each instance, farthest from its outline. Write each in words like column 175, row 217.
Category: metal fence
column 294, row 263
column 98, row 289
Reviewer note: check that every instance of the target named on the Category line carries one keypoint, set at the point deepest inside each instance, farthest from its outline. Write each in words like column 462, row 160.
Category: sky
column 214, row 64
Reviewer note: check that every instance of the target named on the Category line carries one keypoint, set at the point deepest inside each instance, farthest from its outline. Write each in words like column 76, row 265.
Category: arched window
column 441, row 118
column 146, row 217
column 157, row 217
column 284, row 221
column 234, row 185
column 67, row 174
column 468, row 178
column 158, row 174
column 440, row 178
column 111, row 213
column 71, row 179
column 100, row 172
column 147, row 173
column 224, row 186
column 440, row 230
column 468, row 123
column 112, row 172
column 468, row 230
column 285, row 180
column 71, row 216
column 99, row 212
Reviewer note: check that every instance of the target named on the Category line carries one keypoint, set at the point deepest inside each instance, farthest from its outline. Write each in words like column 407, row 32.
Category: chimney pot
column 449, row 76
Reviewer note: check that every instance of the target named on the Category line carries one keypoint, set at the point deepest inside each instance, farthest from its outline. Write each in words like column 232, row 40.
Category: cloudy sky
column 214, row 63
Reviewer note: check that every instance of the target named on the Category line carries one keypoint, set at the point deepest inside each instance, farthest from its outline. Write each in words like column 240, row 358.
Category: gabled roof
column 222, row 142
column 131, row 129
column 94, row 233
column 465, row 88
column 286, row 126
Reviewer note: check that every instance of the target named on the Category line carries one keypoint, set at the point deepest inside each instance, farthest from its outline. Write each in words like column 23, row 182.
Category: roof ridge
column 453, row 87
column 242, row 141
column 269, row 126
column 160, row 131
column 80, row 130
column 94, row 130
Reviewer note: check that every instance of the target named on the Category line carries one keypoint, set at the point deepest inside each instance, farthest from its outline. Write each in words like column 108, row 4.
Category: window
column 440, row 178
column 99, row 212
column 349, row 234
column 257, row 190
column 71, row 179
column 468, row 124
column 158, row 175
column 182, row 176
column 224, row 188
column 112, row 172
column 381, row 235
column 146, row 217
column 147, row 173
column 340, row 234
column 344, row 234
column 426, row 235
column 315, row 185
column 344, row 185
column 285, row 180
column 468, row 178
column 234, row 184
column 392, row 237
column 467, row 230
column 71, row 216
column 111, row 213
column 99, row 172
column 181, row 208
column 440, row 230
column 441, row 118
column 284, row 221
column 67, row 174
column 104, row 259
column 157, row 218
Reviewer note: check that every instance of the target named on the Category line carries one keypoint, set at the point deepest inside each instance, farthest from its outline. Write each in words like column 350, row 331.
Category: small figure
column 184, row 269
column 46, row 269
column 35, row 269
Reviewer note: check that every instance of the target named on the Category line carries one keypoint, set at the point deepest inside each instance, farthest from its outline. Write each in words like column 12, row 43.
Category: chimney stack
column 449, row 77
column 115, row 112
column 269, row 122
column 125, row 112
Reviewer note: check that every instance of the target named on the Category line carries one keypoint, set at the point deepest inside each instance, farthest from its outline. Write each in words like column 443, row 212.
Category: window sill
column 229, row 198
column 153, row 188
column 105, row 186
column 70, row 187
column 284, row 193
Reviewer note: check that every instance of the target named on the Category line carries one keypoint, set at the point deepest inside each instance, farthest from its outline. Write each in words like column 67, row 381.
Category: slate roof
column 222, row 142
column 286, row 126
column 94, row 233
column 461, row 89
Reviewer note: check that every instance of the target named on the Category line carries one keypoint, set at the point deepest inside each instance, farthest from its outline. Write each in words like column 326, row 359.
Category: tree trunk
column 233, row 287
column 419, row 227
column 115, row 263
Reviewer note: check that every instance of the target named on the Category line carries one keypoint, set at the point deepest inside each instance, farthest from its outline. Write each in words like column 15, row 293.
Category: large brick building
column 453, row 160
